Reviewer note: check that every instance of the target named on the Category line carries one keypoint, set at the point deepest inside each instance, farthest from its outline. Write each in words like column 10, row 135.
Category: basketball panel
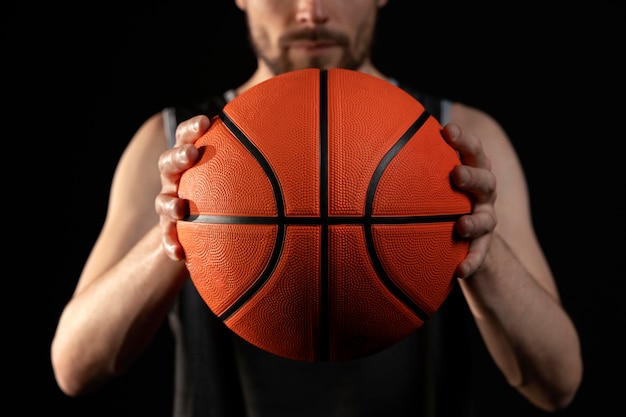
column 421, row 259
column 366, row 117
column 225, row 260
column 417, row 180
column 227, row 179
column 283, row 316
column 281, row 118
column 365, row 317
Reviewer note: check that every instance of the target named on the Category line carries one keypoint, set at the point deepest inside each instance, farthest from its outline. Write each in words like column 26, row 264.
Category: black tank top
column 218, row 374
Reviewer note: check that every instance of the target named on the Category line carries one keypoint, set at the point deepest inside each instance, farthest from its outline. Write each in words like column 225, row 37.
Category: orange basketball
column 322, row 214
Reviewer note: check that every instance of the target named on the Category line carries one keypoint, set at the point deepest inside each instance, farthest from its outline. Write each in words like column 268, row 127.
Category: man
column 135, row 274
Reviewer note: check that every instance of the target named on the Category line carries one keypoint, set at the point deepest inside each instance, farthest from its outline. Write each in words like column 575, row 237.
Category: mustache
column 314, row 34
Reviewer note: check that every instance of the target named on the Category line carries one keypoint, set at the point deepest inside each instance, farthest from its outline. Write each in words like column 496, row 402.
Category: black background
column 79, row 81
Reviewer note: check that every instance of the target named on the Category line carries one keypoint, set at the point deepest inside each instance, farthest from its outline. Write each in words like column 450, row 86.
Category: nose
column 311, row 12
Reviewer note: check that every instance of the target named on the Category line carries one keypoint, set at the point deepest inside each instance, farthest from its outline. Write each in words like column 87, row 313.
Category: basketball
column 321, row 215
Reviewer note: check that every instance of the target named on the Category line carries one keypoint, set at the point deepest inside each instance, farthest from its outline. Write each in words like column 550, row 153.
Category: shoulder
column 474, row 119
column 505, row 162
column 135, row 184
column 155, row 135
column 512, row 203
column 137, row 174
column 494, row 139
column 148, row 142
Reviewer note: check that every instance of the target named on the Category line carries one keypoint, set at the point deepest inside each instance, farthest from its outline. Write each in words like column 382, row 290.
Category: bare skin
column 136, row 267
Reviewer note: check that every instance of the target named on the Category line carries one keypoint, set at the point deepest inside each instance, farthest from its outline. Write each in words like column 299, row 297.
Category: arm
column 128, row 283
column 506, row 279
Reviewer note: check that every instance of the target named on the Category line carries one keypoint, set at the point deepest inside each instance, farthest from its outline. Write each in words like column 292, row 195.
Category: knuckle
column 164, row 160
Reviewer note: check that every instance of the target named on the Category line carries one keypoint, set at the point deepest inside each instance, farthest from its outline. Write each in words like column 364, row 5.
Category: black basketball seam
column 369, row 201
column 280, row 211
column 295, row 220
column 324, row 305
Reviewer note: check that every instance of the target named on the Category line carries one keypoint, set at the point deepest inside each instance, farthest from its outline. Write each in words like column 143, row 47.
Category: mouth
column 313, row 48
column 313, row 43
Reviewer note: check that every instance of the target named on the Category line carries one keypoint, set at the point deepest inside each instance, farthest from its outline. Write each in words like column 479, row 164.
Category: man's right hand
column 172, row 163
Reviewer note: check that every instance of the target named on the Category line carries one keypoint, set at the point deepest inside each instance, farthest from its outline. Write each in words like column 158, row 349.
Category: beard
column 351, row 57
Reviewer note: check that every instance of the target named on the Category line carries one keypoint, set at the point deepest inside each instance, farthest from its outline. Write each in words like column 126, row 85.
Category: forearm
column 108, row 323
column 527, row 332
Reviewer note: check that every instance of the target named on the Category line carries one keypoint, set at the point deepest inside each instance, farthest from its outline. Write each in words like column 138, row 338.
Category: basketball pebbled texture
column 322, row 214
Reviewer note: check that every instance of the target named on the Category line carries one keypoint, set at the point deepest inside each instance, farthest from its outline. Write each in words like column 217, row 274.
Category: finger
column 467, row 145
column 171, row 245
column 190, row 130
column 475, row 181
column 170, row 206
column 475, row 257
column 475, row 225
column 174, row 161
